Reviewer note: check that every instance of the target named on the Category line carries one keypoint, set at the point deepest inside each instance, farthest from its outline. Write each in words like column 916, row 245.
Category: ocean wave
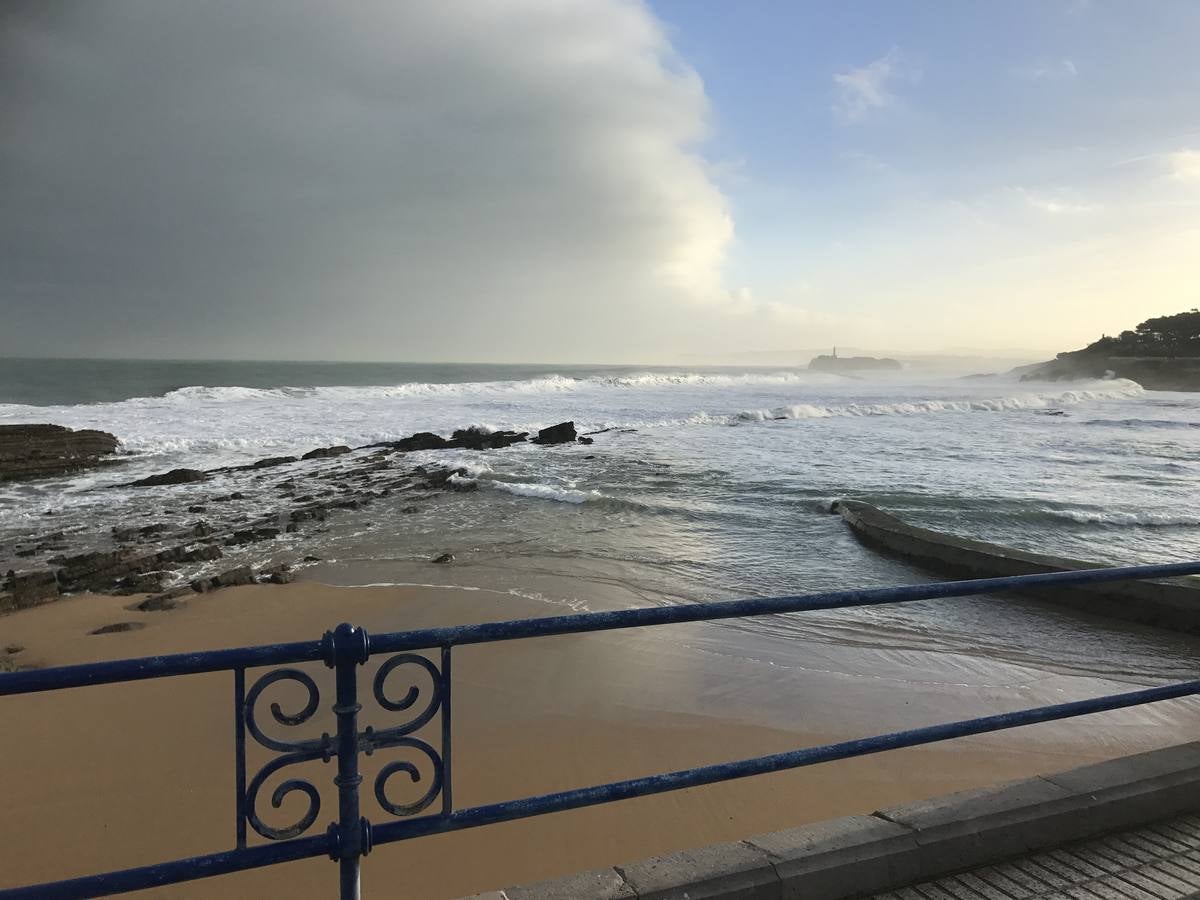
column 1143, row 423
column 546, row 384
column 1118, row 389
column 749, row 379
column 1118, row 517
column 545, row 491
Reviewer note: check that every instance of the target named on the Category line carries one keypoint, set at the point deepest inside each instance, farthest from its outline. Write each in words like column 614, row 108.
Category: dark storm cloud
column 372, row 180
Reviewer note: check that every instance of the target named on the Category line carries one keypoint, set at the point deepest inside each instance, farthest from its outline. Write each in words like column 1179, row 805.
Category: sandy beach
column 132, row 774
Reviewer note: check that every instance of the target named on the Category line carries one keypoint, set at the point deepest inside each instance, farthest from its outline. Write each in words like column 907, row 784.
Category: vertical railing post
column 345, row 650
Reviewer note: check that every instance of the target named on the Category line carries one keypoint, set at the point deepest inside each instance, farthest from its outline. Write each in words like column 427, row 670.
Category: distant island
column 1161, row 354
column 834, row 363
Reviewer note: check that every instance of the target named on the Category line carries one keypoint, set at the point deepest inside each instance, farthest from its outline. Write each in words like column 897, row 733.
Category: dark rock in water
column 26, row 589
column 562, row 433
column 32, row 551
column 200, row 529
column 125, row 535
column 589, row 456
column 232, row 578
column 311, row 558
column 175, row 476
column 309, row 513
column 475, row 438
column 201, row 553
column 271, row 461
column 326, row 452
column 281, row 574
column 447, row 480
column 586, row 440
column 168, row 599
column 32, row 451
column 422, row 440
column 409, row 510
column 118, row 627
column 251, row 535
column 142, row 583
column 197, row 508
column 444, row 558
column 291, row 528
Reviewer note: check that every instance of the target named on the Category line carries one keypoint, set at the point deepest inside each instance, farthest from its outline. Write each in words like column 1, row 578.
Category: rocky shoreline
column 1152, row 373
column 37, row 451
column 164, row 563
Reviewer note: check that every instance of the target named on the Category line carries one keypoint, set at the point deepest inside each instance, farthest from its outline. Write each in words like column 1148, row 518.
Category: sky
column 592, row 180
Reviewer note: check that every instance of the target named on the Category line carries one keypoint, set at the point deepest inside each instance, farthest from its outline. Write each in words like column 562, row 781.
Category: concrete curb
column 860, row 855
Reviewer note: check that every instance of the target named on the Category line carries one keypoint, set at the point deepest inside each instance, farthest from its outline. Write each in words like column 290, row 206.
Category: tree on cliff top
column 1177, row 335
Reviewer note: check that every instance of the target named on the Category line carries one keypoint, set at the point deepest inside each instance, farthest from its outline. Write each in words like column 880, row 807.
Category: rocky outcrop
column 251, row 535
column 1173, row 604
column 562, row 433
column 1154, row 373
column 21, row 590
column 33, row 451
column 161, row 552
column 326, row 452
column 478, row 439
column 271, row 461
column 837, row 363
column 175, row 476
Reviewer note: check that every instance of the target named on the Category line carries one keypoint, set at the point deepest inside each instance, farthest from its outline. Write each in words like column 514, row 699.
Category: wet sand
column 108, row 777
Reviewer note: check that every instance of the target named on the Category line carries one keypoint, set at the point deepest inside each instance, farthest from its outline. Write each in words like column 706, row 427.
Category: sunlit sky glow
column 593, row 180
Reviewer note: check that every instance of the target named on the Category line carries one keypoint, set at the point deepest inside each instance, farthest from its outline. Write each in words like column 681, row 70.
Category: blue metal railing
column 346, row 648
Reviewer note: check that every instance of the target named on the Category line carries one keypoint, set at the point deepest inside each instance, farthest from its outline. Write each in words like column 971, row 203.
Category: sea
column 702, row 483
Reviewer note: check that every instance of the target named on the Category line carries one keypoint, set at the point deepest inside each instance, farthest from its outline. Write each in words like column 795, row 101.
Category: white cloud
column 1048, row 71
column 1056, row 203
column 864, row 89
column 1184, row 165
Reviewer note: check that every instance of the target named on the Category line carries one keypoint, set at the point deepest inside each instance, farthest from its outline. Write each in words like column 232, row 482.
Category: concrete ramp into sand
column 1173, row 604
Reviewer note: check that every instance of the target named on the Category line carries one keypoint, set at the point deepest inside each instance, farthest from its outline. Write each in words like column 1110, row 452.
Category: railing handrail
column 139, row 668
column 345, row 648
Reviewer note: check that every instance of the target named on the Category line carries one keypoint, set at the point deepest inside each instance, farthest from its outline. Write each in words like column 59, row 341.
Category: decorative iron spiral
column 409, row 700
column 294, row 752
column 289, row 719
column 435, row 782
column 286, row 787
column 399, row 735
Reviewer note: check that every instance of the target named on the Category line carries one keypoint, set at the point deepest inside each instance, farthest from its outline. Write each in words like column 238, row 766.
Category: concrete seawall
column 1173, row 604
column 862, row 855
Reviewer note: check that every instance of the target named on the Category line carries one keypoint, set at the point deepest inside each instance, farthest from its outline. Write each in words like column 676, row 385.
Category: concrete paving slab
column 737, row 871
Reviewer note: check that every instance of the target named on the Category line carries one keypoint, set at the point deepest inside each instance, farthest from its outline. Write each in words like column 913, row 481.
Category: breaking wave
column 546, row 492
column 1113, row 390
column 1117, row 517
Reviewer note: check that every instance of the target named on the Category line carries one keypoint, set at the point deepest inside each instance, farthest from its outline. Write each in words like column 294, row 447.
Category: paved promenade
column 1157, row 862
column 1126, row 829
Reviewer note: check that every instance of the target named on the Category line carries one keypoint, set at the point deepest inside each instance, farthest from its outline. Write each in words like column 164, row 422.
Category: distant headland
column 834, row 363
column 1160, row 354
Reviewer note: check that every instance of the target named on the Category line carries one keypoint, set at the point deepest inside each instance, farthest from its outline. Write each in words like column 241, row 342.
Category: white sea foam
column 1114, row 390
column 1118, row 517
column 546, row 492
